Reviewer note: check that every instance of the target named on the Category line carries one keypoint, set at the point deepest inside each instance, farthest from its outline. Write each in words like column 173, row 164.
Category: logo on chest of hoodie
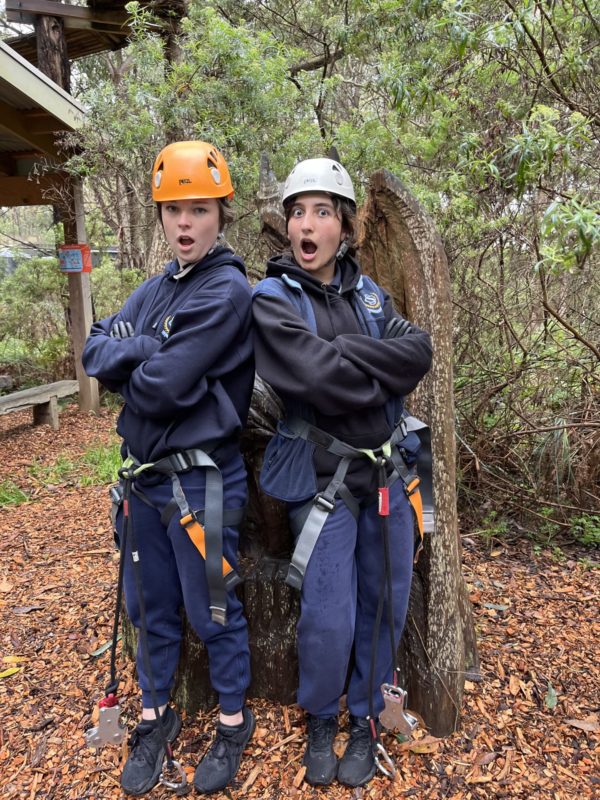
column 371, row 301
column 166, row 326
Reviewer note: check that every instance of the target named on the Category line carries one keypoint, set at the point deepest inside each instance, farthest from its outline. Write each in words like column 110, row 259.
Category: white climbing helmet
column 319, row 175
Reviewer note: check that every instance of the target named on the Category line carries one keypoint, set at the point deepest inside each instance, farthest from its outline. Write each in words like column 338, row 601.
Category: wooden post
column 53, row 61
column 80, row 304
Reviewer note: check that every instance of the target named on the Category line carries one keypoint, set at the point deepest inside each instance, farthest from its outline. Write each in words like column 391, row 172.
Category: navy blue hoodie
column 187, row 374
column 343, row 375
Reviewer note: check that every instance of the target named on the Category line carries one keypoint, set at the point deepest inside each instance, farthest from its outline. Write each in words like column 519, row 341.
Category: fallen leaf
column 590, row 724
column 5, row 586
column 550, row 698
column 10, row 671
column 26, row 609
column 14, row 659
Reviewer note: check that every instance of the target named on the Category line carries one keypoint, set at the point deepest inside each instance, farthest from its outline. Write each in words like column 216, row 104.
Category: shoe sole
column 362, row 782
column 323, row 781
column 171, row 736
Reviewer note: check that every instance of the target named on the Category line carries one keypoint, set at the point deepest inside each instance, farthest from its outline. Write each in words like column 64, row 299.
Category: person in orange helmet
column 179, row 353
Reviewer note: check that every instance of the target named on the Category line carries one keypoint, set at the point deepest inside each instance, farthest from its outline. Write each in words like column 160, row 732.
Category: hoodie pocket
column 288, row 471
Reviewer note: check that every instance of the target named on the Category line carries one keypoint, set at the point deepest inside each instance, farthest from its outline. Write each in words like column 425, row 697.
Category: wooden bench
column 42, row 399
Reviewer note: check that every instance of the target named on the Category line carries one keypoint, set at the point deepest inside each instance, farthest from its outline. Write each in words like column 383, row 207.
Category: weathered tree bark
column 401, row 249
column 52, row 50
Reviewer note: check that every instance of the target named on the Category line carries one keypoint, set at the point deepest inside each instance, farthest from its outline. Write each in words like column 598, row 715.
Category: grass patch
column 11, row 495
column 98, row 465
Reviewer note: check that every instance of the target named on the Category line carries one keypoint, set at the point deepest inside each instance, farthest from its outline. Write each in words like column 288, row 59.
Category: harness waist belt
column 311, row 524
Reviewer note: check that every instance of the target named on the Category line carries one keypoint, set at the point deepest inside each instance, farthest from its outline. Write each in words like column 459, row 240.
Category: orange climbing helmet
column 190, row 171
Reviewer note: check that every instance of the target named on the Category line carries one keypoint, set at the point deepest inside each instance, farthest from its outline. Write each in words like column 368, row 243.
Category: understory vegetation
column 487, row 111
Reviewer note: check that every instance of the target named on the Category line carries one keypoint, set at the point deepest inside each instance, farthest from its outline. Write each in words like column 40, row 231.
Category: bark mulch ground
column 530, row 728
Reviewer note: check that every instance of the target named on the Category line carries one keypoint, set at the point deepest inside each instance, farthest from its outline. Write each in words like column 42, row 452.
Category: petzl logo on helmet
column 184, row 180
column 371, row 301
column 166, row 326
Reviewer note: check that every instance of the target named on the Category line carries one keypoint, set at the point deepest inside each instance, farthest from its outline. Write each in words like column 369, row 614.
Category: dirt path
column 530, row 729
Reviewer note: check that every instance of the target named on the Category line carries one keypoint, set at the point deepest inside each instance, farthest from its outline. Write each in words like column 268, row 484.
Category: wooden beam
column 15, row 122
column 26, row 11
column 16, row 191
column 39, row 90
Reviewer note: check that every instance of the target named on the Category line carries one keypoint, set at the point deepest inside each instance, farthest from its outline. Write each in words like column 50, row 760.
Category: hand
column 122, row 330
column 397, row 327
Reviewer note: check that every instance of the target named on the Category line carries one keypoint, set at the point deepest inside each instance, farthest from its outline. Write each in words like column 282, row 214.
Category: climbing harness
column 312, row 517
column 205, row 529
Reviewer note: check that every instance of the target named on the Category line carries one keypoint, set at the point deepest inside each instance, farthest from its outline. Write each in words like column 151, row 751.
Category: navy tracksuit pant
column 338, row 606
column 173, row 576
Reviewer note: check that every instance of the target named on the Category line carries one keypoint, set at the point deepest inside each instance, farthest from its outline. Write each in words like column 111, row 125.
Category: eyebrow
column 320, row 204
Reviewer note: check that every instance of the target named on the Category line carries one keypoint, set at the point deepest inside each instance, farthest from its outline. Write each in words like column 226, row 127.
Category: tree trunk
column 52, row 50
column 402, row 251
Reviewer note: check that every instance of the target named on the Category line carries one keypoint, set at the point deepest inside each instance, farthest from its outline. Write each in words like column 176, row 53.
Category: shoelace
column 360, row 741
column 321, row 737
column 140, row 744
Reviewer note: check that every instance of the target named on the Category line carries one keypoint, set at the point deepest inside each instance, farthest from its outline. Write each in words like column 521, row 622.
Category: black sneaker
column 221, row 761
column 357, row 766
column 319, row 759
column 146, row 754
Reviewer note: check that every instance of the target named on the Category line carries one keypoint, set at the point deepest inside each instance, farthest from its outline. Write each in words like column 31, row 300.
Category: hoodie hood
column 220, row 255
column 285, row 264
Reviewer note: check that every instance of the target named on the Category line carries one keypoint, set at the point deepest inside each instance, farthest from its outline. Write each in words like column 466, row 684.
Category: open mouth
column 308, row 248
column 185, row 241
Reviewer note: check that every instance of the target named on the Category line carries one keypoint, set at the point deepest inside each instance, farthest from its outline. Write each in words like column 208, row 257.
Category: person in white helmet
column 329, row 342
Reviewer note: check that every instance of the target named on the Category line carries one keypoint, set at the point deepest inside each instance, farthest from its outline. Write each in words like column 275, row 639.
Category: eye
column 323, row 212
column 171, row 208
column 296, row 212
column 199, row 210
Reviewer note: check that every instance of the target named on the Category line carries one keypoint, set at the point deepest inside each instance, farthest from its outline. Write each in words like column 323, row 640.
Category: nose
column 307, row 223
column 184, row 220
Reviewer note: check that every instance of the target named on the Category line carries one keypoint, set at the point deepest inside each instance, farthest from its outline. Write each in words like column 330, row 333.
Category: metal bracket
column 395, row 716
column 109, row 729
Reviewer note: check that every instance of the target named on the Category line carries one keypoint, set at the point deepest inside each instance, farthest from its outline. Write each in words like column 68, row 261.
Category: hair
column 226, row 215
column 344, row 208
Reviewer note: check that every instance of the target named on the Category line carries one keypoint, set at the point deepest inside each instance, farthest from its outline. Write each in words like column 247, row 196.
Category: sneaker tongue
column 146, row 726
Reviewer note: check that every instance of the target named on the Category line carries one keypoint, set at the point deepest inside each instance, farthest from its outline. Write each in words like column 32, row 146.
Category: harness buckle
column 324, row 503
column 180, row 461
column 218, row 614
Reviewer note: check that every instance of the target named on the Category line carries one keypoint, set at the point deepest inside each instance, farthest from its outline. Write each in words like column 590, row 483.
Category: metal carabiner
column 175, row 766
column 390, row 771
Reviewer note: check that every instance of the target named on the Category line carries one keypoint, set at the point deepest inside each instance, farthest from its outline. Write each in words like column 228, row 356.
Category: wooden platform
column 42, row 399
